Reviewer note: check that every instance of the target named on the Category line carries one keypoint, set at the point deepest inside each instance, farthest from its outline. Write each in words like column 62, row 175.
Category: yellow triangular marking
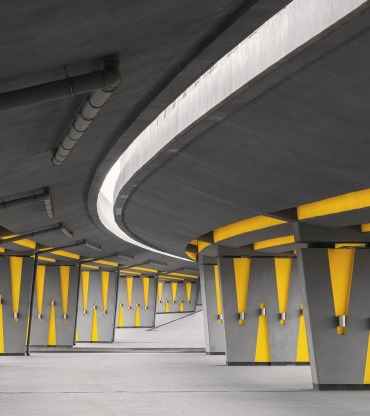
column 160, row 290
column 94, row 326
column 85, row 277
column 40, row 281
column 16, row 278
column 2, row 344
column 188, row 287
column 167, row 307
column 242, row 269
column 137, row 315
column 181, row 306
column 367, row 365
column 174, row 291
column 120, row 316
column 218, row 293
column 129, row 282
column 104, row 287
column 303, row 355
column 64, row 272
column 52, row 334
column 146, row 282
column 283, row 269
column 76, row 338
column 341, row 268
column 262, row 344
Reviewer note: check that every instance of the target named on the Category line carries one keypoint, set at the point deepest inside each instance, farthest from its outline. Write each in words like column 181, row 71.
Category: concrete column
column 255, row 292
column 337, row 283
column 214, row 330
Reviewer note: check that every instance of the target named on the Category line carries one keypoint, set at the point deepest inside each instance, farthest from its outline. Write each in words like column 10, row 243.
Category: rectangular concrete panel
column 94, row 323
column 50, row 286
column 15, row 289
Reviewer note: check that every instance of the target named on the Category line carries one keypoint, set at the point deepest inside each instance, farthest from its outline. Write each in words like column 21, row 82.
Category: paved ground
column 163, row 384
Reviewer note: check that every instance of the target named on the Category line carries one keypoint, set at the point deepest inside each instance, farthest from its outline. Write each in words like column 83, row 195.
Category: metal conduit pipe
column 58, row 227
column 45, row 198
column 86, row 115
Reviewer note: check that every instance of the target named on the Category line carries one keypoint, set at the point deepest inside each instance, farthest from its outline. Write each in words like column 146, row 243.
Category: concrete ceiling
column 299, row 135
column 162, row 45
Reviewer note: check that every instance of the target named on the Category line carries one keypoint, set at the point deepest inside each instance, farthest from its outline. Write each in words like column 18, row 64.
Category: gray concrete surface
column 159, row 384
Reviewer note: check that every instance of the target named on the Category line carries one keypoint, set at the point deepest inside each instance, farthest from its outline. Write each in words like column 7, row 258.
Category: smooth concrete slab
column 159, row 384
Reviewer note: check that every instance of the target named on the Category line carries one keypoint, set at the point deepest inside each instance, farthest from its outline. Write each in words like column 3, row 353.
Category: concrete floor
column 151, row 384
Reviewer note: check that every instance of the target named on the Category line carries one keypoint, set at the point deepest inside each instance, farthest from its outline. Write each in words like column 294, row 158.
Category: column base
column 341, row 386
column 215, row 353
column 271, row 364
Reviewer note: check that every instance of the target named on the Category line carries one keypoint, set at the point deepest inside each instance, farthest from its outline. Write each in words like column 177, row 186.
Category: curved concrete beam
column 298, row 25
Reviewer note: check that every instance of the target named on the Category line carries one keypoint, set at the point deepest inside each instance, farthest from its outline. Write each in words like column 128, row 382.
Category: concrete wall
column 247, row 285
column 97, row 325
column 54, row 308
column 15, row 291
column 183, row 302
column 131, row 302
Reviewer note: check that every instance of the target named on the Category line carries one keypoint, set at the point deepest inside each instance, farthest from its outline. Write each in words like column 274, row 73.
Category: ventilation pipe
column 45, row 198
column 92, row 106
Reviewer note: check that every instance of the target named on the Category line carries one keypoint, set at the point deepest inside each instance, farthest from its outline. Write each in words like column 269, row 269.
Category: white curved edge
column 289, row 29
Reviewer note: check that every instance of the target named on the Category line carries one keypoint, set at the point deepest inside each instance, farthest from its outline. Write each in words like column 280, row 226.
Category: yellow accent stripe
column 335, row 205
column 104, row 289
column 160, row 290
column 202, row 245
column 26, row 243
column 129, row 282
column 146, row 282
column 46, row 259
column 76, row 338
column 283, row 269
column 174, row 291
column 303, row 355
column 181, row 309
column 365, row 228
column 183, row 275
column 2, row 250
column 107, row 263
column 262, row 344
column 68, row 254
column 90, row 266
column 274, row 242
column 245, row 226
column 85, row 278
column 40, row 281
column 16, row 278
column 341, row 267
column 167, row 307
column 218, row 292
column 144, row 269
column 2, row 343
column 64, row 272
column 242, row 272
column 52, row 333
column 191, row 255
column 340, row 245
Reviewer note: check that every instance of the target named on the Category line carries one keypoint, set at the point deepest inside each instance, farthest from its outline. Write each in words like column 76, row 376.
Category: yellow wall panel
column 341, row 268
column 242, row 269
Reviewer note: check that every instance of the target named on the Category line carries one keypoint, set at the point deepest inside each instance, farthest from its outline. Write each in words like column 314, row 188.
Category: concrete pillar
column 214, row 330
column 256, row 293
column 97, row 306
column 136, row 302
column 15, row 293
column 337, row 283
column 54, row 307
